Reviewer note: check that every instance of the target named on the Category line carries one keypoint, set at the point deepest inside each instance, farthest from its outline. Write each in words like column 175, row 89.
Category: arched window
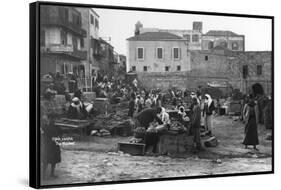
column 235, row 46
column 210, row 45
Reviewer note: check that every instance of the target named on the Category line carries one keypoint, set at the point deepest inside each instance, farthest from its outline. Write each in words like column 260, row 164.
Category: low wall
column 185, row 80
column 181, row 80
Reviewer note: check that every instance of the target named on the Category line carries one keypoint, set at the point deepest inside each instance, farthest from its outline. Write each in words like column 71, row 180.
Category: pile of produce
column 177, row 126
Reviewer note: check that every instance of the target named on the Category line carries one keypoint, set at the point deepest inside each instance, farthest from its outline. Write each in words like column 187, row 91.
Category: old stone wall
column 218, row 68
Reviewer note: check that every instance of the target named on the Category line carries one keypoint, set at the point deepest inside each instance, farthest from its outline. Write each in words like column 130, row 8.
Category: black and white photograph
column 136, row 94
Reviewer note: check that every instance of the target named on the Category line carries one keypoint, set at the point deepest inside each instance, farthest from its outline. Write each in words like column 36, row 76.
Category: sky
column 120, row 25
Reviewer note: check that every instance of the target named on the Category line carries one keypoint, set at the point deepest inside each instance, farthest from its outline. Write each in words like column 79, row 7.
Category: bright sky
column 120, row 25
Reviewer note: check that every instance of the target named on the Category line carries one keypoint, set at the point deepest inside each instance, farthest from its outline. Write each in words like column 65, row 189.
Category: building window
column 176, row 53
column 259, row 70
column 92, row 19
column 76, row 19
column 159, row 53
column 74, row 43
column 63, row 37
column 210, row 45
column 145, row 68
column 195, row 38
column 167, row 68
column 82, row 42
column 133, row 68
column 206, row 57
column 140, row 52
column 97, row 23
column 66, row 14
column 187, row 37
column 178, row 68
column 235, row 46
column 245, row 71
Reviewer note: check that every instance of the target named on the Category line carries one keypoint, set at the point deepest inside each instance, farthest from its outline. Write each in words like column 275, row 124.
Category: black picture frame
column 34, row 82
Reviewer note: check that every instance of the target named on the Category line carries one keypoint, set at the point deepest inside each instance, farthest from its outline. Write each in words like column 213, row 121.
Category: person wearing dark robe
column 143, row 119
column 72, row 83
column 78, row 94
column 268, row 114
column 196, row 123
column 50, row 150
column 132, row 105
column 251, row 132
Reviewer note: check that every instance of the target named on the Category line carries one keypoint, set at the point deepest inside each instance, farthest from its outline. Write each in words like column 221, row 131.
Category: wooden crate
column 179, row 143
column 132, row 148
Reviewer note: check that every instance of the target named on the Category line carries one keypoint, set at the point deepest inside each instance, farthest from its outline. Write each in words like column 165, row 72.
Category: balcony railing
column 55, row 20
column 64, row 49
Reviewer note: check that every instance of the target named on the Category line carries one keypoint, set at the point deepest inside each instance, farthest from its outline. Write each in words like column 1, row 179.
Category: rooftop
column 155, row 36
column 220, row 33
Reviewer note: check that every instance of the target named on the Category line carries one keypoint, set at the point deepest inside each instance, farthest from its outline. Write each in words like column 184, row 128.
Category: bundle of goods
column 162, row 128
column 139, row 132
column 177, row 126
column 135, row 140
column 100, row 133
column 211, row 142
column 122, row 128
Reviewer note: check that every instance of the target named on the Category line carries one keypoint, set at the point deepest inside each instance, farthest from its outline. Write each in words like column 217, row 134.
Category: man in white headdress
column 164, row 116
column 76, row 109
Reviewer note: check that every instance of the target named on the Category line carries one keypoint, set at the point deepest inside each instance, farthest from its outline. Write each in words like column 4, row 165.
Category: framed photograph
column 129, row 94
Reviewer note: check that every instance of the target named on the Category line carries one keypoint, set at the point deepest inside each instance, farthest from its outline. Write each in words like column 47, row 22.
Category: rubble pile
column 117, row 123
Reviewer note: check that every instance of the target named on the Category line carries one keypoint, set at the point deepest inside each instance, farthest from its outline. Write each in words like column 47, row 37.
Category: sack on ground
column 211, row 142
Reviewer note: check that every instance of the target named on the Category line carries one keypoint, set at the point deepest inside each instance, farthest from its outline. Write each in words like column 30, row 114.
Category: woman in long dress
column 208, row 112
column 50, row 150
column 251, row 131
column 196, row 123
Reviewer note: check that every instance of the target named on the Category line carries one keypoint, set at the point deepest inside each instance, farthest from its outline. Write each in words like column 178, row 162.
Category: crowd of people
column 146, row 107
column 148, row 111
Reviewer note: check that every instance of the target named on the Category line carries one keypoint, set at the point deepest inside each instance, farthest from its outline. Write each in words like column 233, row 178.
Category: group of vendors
column 146, row 129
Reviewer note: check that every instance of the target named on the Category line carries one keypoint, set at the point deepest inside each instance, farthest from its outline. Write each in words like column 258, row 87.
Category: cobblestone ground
column 91, row 160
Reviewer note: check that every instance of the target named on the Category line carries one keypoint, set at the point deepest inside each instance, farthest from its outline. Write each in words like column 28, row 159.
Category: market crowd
column 153, row 112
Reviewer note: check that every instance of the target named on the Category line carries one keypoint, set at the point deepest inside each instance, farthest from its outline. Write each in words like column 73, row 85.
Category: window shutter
column 163, row 53
column 143, row 53
column 172, row 53
column 136, row 53
column 155, row 54
column 179, row 53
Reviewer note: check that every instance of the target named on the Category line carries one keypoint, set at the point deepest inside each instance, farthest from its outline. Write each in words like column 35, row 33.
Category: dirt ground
column 94, row 159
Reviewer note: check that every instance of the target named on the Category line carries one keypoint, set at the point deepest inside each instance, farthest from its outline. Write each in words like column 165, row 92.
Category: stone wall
column 180, row 80
column 209, row 67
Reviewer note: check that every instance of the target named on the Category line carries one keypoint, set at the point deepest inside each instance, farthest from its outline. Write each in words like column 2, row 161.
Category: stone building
column 192, row 37
column 226, row 39
column 61, row 41
column 218, row 67
column 238, row 69
column 90, row 23
column 157, row 52
column 103, row 53
column 254, row 67
column 216, row 58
